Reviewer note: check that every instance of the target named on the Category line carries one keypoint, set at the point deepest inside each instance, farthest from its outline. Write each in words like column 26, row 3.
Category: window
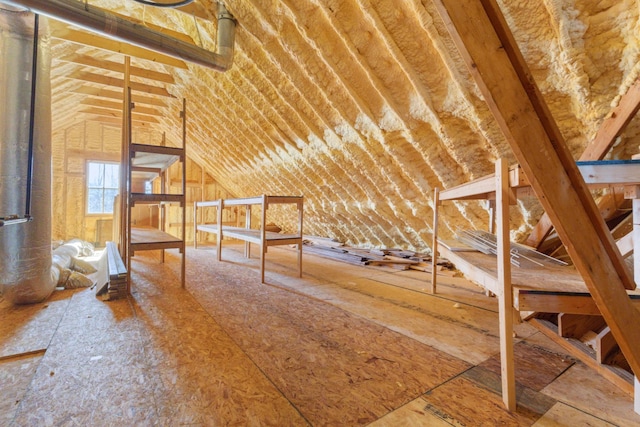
column 102, row 186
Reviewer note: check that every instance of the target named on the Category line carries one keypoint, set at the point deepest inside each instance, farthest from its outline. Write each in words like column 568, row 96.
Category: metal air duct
column 26, row 272
column 111, row 25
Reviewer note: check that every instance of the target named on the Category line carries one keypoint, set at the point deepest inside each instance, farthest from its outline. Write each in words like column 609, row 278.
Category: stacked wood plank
column 394, row 258
column 117, row 287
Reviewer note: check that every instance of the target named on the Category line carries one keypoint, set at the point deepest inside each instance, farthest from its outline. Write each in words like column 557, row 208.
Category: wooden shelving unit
column 548, row 288
column 261, row 236
column 148, row 162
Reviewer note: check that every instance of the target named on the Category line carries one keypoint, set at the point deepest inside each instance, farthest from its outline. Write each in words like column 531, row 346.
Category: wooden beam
column 556, row 302
column 486, row 44
column 115, row 105
column 61, row 31
column 111, row 113
column 117, row 67
column 616, row 121
column 114, row 94
column 608, row 173
column 434, row 244
column 116, row 121
column 115, row 82
column 505, row 294
column 560, row 302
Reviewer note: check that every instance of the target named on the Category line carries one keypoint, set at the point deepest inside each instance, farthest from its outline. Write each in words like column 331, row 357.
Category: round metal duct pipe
column 103, row 22
column 26, row 272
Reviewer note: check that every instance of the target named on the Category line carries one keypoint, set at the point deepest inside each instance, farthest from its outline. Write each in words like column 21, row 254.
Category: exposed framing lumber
column 116, row 82
column 434, row 242
column 114, row 94
column 61, row 31
column 617, row 120
column 117, row 67
column 505, row 294
column 116, row 121
column 483, row 38
column 117, row 106
column 118, row 114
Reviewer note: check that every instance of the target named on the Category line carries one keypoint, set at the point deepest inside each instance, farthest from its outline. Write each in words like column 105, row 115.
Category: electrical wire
column 156, row 4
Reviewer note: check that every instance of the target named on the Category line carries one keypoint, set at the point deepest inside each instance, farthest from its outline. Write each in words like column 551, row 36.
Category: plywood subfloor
column 344, row 345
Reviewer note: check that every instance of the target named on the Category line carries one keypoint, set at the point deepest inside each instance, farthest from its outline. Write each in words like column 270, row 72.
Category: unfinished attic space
column 319, row 213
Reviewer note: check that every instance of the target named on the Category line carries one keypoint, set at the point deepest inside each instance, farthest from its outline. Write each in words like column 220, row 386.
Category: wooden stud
column 505, row 294
column 434, row 244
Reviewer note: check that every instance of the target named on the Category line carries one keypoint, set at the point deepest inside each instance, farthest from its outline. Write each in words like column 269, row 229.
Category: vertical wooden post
column 219, row 220
column 263, row 238
column 195, row 224
column 300, row 219
column 434, row 243
column 636, row 236
column 504, row 281
column 183, row 264
column 125, row 173
column 636, row 394
column 247, row 225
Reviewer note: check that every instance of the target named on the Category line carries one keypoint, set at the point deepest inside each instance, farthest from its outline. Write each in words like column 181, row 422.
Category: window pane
column 95, row 201
column 108, row 200
column 96, row 175
column 111, row 176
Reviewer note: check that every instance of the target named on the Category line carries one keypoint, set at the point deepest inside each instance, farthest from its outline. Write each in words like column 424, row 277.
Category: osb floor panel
column 345, row 345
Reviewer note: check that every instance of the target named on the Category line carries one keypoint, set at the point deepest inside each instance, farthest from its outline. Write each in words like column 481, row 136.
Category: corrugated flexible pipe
column 108, row 24
column 26, row 271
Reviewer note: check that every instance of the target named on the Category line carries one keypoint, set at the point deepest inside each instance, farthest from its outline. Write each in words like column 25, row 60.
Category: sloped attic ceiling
column 365, row 106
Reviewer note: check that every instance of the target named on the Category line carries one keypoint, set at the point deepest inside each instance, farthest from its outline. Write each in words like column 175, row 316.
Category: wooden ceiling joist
column 114, row 94
column 486, row 44
column 116, row 82
column 115, row 105
column 117, row 121
column 117, row 67
column 61, row 31
column 112, row 113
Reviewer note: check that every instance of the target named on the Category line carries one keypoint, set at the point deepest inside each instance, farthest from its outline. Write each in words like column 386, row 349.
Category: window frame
column 88, row 187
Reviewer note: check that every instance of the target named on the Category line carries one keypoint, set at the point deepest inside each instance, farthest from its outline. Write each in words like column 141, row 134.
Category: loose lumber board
column 482, row 269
